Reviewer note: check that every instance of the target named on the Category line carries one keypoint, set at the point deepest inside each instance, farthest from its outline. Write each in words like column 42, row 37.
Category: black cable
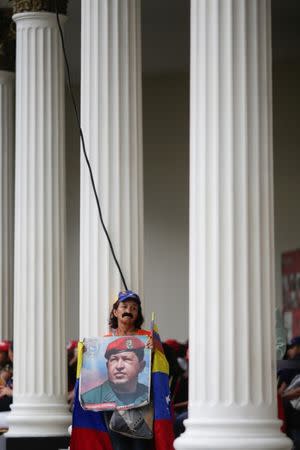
column 84, row 148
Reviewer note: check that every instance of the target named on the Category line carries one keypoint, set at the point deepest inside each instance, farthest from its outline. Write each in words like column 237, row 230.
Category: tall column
column 7, row 151
column 232, row 397
column 112, row 126
column 39, row 403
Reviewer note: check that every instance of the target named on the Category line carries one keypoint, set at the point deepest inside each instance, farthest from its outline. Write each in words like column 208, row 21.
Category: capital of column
column 7, row 40
column 35, row 19
column 20, row 6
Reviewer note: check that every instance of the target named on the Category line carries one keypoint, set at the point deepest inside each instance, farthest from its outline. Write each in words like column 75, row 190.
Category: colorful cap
column 4, row 346
column 128, row 295
column 71, row 345
column 124, row 344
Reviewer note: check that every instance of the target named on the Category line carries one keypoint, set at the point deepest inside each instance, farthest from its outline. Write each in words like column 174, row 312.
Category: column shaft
column 111, row 123
column 39, row 406
column 7, row 151
column 232, row 397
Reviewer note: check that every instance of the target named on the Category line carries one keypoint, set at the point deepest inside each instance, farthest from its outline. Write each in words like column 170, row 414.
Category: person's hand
column 291, row 394
column 73, row 361
column 5, row 390
column 181, row 405
column 282, row 389
column 149, row 343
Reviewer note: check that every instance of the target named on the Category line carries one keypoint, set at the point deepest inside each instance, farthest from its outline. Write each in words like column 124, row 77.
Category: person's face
column 6, row 374
column 123, row 369
column 127, row 312
column 293, row 352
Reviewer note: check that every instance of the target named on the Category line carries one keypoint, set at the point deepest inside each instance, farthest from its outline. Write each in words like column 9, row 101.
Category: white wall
column 72, row 219
column 166, row 159
column 286, row 125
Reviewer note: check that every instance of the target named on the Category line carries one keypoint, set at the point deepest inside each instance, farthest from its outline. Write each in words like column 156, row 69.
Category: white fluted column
column 39, row 404
column 7, row 151
column 111, row 122
column 232, row 397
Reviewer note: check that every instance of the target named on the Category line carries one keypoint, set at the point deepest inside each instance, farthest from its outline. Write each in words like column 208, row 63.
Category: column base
column 34, row 443
column 33, row 420
column 230, row 435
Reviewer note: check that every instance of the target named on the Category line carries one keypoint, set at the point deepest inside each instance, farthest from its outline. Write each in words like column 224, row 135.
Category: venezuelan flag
column 89, row 430
column 163, row 424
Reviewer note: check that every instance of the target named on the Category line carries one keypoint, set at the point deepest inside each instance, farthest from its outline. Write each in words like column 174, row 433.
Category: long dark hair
column 113, row 321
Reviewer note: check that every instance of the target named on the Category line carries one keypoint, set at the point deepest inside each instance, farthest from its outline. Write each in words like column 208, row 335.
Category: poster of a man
column 122, row 365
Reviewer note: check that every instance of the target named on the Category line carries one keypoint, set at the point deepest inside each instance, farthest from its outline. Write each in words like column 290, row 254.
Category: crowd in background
column 6, row 375
column 288, row 376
